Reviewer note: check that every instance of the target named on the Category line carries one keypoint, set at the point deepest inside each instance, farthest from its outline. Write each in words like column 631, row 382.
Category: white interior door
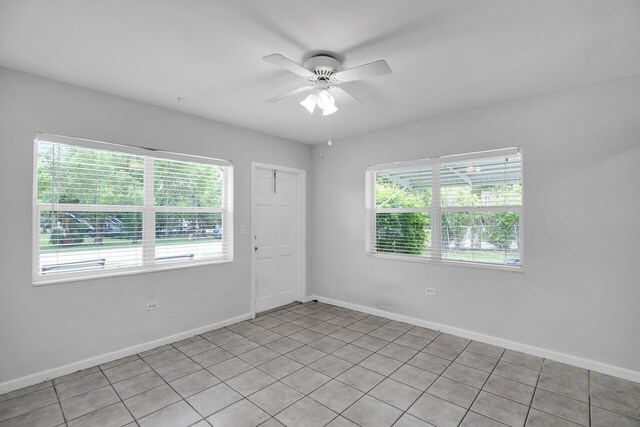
column 276, row 241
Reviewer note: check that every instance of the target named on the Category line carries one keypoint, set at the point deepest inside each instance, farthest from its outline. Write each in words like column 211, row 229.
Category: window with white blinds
column 102, row 209
column 464, row 209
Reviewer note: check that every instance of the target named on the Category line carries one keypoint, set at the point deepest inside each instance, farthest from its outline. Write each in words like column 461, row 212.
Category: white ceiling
column 446, row 55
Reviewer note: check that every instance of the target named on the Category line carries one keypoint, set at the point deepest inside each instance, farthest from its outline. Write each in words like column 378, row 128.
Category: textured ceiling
column 446, row 56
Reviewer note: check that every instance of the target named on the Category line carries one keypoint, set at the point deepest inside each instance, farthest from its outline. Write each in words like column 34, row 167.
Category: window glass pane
column 486, row 237
column 404, row 233
column 495, row 181
column 403, row 188
column 70, row 174
column 80, row 241
column 183, row 236
column 187, row 184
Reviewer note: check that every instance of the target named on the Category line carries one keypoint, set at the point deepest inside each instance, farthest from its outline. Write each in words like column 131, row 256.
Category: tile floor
column 314, row 365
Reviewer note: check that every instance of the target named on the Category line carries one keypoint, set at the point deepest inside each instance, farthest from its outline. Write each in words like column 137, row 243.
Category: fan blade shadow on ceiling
column 270, row 25
column 403, row 31
column 275, row 77
column 287, row 64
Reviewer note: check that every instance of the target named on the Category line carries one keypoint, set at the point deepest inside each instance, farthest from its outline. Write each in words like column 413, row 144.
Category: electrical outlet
column 430, row 291
column 243, row 229
column 152, row 306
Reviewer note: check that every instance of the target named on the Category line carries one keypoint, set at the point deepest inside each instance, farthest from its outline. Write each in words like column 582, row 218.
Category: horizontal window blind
column 403, row 198
column 189, row 214
column 481, row 203
column 465, row 208
column 489, row 181
column 102, row 209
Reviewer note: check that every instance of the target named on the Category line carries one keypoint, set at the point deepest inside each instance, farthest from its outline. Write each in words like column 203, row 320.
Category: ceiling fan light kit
column 323, row 99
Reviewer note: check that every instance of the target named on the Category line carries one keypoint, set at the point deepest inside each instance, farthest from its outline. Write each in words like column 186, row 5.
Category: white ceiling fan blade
column 289, row 65
column 342, row 96
column 290, row 93
column 372, row 69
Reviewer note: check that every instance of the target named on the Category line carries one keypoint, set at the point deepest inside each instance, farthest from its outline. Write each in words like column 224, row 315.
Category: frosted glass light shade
column 330, row 109
column 325, row 99
column 309, row 103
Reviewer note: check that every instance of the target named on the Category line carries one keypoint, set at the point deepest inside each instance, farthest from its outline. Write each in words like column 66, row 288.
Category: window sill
column 407, row 258
column 60, row 278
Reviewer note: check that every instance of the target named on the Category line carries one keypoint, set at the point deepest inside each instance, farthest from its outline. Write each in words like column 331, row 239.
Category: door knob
column 255, row 248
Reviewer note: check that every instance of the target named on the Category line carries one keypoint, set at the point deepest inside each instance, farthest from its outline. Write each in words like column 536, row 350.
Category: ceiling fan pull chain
column 321, row 136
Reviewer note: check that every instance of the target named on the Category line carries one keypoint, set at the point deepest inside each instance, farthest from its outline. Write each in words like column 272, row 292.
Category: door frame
column 301, row 175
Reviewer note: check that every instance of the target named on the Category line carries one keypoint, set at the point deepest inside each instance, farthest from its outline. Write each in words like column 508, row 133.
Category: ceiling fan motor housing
column 322, row 66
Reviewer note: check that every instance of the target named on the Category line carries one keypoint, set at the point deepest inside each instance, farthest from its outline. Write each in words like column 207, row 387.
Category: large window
column 462, row 209
column 103, row 209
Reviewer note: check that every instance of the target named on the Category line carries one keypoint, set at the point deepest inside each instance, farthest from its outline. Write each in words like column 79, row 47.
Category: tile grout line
column 535, row 389
column 308, row 395
column 589, row 396
column 169, row 385
column 494, row 394
column 588, row 403
column 57, row 402
column 151, row 369
column 304, row 395
column 388, row 377
column 482, row 388
column 258, row 367
column 457, row 381
column 118, row 394
column 64, row 417
column 205, row 369
column 438, row 377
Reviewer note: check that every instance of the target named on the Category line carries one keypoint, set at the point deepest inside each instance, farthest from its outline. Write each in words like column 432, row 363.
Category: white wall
column 573, row 297
column 580, row 291
column 49, row 326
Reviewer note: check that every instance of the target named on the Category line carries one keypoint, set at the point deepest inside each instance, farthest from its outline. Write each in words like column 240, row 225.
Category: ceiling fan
column 325, row 75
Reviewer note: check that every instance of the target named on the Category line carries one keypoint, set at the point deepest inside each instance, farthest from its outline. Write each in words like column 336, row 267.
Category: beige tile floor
column 314, row 365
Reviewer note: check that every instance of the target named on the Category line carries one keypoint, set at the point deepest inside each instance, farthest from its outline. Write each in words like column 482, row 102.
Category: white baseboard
column 592, row 365
column 36, row 378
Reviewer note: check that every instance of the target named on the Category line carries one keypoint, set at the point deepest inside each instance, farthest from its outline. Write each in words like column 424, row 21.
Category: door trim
column 301, row 174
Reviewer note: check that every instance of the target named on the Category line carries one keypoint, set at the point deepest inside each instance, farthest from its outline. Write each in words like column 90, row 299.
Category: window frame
column 147, row 209
column 436, row 210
